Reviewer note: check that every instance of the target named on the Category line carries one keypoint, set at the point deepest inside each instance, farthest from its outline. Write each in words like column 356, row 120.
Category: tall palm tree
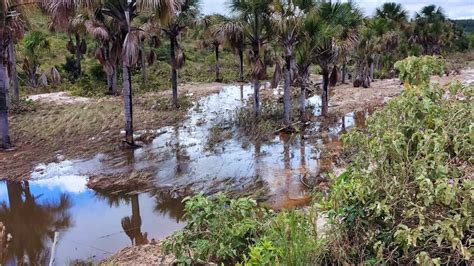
column 336, row 24
column 18, row 25
column 174, row 19
column 213, row 39
column 432, row 30
column 304, row 58
column 287, row 22
column 123, row 12
column 255, row 16
column 232, row 31
column 8, row 10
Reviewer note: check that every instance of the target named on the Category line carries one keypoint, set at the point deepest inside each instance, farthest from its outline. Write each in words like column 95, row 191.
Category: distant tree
column 255, row 17
column 287, row 21
column 66, row 16
column 336, row 24
column 432, row 29
column 34, row 43
column 231, row 30
column 212, row 38
column 174, row 19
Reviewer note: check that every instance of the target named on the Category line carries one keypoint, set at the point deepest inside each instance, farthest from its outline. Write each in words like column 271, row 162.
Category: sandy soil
column 59, row 98
column 140, row 255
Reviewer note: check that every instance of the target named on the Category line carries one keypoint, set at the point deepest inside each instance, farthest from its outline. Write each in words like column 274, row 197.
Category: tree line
column 332, row 35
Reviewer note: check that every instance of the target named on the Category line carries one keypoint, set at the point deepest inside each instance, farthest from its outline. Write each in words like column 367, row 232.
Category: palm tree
column 65, row 15
column 105, row 32
column 255, row 16
column 8, row 12
column 18, row 25
column 336, row 25
column 211, row 38
column 304, row 58
column 287, row 22
column 174, row 19
column 432, row 30
column 393, row 12
column 232, row 31
column 124, row 13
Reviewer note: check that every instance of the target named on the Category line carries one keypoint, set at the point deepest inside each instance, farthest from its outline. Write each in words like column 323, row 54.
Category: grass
column 270, row 121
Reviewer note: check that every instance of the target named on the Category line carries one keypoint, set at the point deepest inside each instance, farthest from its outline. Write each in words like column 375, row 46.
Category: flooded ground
column 178, row 161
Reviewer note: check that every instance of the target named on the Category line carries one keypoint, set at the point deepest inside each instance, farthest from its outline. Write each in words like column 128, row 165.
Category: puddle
column 91, row 224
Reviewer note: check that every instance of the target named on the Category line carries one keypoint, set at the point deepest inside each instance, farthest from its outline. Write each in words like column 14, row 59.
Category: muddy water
column 92, row 226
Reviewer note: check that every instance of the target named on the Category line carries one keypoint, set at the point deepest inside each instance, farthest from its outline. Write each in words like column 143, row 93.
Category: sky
column 455, row 9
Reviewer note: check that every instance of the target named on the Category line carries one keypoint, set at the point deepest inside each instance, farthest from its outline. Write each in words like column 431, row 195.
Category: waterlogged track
column 179, row 158
column 176, row 161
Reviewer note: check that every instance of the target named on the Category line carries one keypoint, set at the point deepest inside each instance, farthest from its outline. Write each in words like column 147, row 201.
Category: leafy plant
column 218, row 229
column 290, row 239
column 418, row 70
column 407, row 195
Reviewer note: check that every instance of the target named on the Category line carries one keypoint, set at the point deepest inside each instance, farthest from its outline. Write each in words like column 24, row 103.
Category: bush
column 408, row 194
column 218, row 229
column 418, row 70
column 290, row 239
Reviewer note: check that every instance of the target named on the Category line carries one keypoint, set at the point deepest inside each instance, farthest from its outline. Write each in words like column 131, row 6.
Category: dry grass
column 79, row 130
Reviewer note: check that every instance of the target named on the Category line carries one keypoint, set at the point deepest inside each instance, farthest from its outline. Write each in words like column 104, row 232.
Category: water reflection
column 32, row 223
column 91, row 226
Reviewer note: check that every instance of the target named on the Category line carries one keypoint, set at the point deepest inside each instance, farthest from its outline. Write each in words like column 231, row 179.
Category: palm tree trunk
column 143, row 63
column 14, row 75
column 216, row 49
column 302, row 101
column 286, row 93
column 78, row 56
column 344, row 72
column 115, row 80
column 256, row 90
column 325, row 96
column 127, row 104
column 241, row 58
column 4, row 129
column 372, row 69
column 174, row 73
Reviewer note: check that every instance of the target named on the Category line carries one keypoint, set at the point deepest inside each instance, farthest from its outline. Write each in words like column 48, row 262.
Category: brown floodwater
column 92, row 226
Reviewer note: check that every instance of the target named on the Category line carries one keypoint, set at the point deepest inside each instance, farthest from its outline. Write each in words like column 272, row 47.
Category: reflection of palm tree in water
column 31, row 223
column 173, row 207
column 132, row 224
column 182, row 157
column 242, row 92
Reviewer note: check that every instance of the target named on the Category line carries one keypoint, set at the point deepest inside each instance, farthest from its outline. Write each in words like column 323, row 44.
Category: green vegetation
column 218, row 229
column 418, row 70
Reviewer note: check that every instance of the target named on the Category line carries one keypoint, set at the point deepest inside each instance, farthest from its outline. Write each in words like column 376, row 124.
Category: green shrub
column 290, row 239
column 408, row 195
column 418, row 70
column 218, row 229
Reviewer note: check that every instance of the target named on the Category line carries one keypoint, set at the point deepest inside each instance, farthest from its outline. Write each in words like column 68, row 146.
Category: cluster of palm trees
column 333, row 35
